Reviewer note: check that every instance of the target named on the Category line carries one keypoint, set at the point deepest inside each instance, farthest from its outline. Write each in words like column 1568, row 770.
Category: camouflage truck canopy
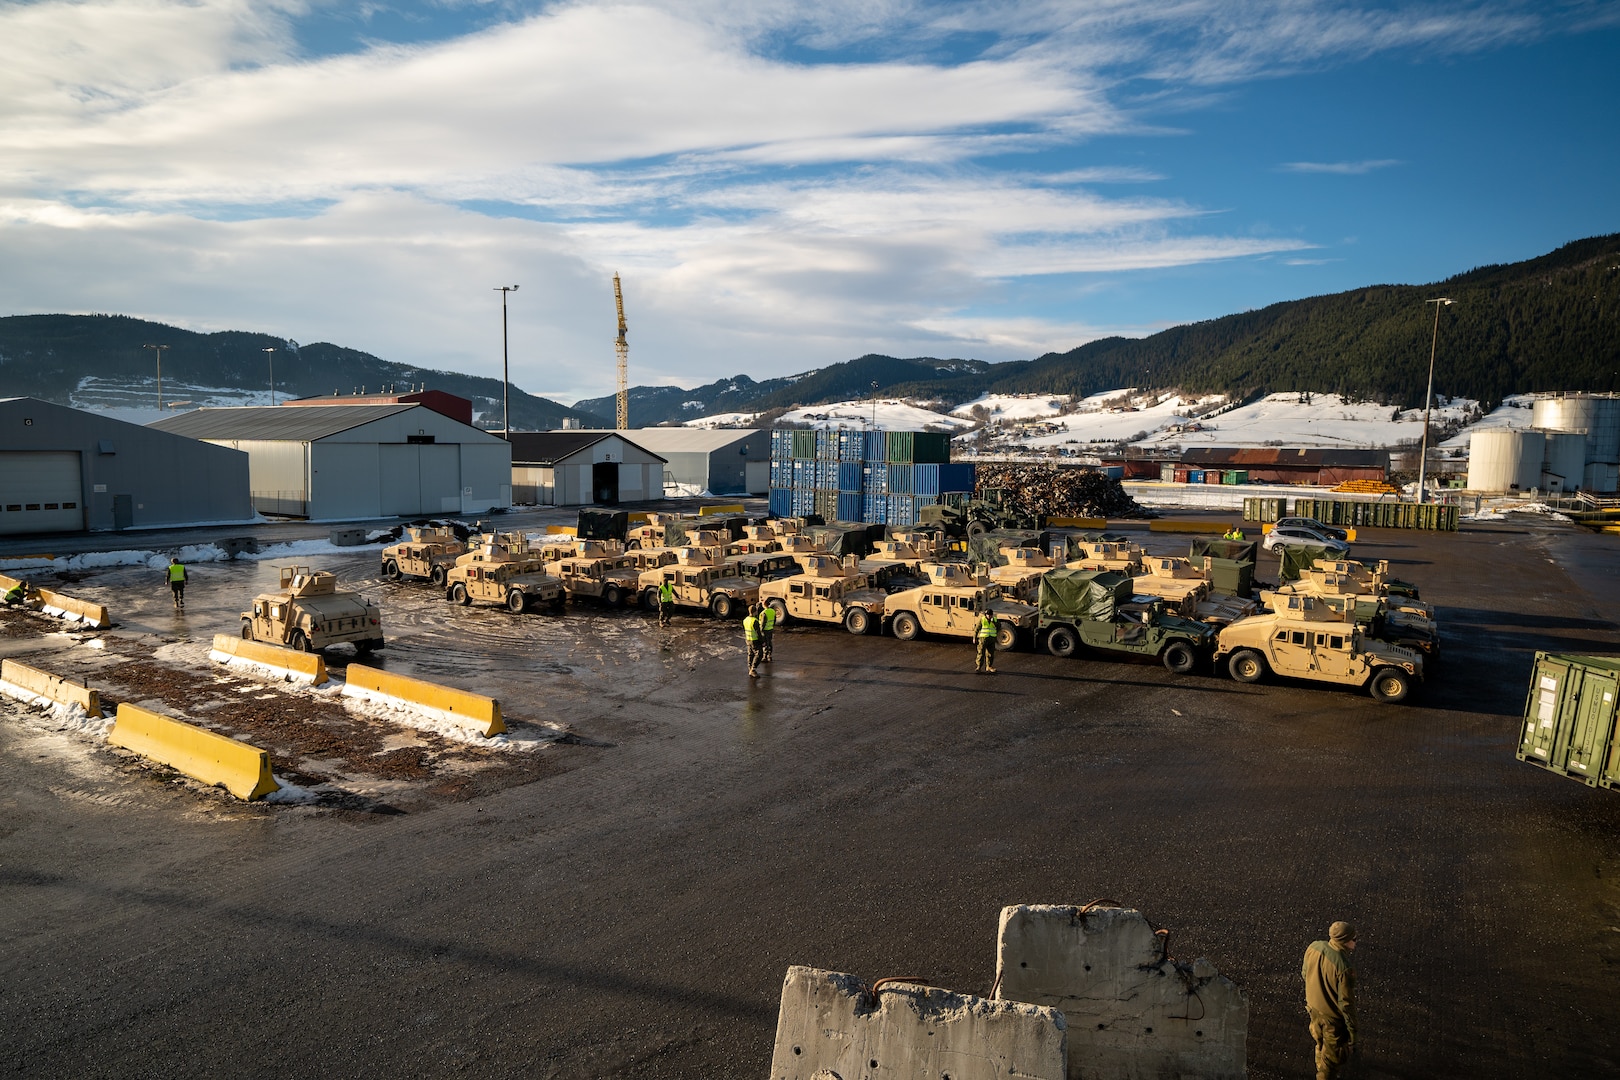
column 1230, row 577
column 846, row 537
column 1236, row 550
column 1297, row 557
column 603, row 524
column 986, row 547
column 1084, row 594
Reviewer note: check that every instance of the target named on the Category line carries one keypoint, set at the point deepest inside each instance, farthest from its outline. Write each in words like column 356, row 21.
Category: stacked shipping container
column 882, row 477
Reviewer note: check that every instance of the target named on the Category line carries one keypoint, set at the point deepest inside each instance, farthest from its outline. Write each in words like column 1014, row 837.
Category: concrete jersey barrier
column 55, row 603
column 37, row 683
column 203, row 755
column 462, row 707
column 1172, row 526
column 830, row 1025
column 289, row 664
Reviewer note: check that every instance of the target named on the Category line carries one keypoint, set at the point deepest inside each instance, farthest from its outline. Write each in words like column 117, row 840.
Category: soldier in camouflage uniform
column 1330, row 998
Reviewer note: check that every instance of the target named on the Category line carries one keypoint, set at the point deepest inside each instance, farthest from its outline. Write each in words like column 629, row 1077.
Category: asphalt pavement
column 630, row 907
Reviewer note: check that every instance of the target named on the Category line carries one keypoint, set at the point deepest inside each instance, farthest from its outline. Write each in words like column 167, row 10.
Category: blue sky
column 782, row 185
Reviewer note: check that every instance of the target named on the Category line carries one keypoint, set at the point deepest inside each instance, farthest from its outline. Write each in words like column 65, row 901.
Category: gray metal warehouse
column 67, row 470
column 579, row 468
column 353, row 462
column 721, row 461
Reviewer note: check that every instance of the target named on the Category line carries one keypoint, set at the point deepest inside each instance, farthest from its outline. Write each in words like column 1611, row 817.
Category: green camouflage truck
column 1098, row 609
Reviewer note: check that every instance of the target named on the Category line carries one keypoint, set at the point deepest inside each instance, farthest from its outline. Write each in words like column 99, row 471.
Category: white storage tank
column 1505, row 460
column 1597, row 416
column 1565, row 458
column 1602, row 478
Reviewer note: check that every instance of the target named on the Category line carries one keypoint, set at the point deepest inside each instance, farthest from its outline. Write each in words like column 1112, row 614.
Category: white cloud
column 1338, row 168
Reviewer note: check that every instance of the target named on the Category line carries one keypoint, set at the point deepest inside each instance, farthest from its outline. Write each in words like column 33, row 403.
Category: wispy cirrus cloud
column 1339, row 168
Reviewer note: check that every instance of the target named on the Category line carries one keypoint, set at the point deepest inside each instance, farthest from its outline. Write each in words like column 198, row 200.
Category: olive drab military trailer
column 1317, row 646
column 507, row 571
column 699, row 580
column 1188, row 591
column 830, row 590
column 309, row 613
column 1099, row 609
column 423, row 554
column 950, row 604
column 1572, row 718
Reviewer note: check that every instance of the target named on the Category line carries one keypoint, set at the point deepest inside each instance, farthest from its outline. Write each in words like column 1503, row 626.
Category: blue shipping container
column 901, row 479
column 877, row 445
column 956, row 477
column 1195, row 476
column 850, row 475
column 849, row 506
column 1113, row 472
column 781, row 502
column 875, row 480
column 875, row 509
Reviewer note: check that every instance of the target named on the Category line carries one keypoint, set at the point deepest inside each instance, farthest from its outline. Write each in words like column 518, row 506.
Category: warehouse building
column 1307, row 465
column 353, row 462
column 581, row 468
column 721, row 461
column 66, row 470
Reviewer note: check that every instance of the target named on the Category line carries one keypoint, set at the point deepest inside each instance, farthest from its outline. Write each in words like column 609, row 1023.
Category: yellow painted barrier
column 302, row 667
column 482, row 714
column 562, row 530
column 92, row 614
column 726, row 508
column 1171, row 526
column 8, row 583
column 54, row 687
column 241, row 769
column 1077, row 523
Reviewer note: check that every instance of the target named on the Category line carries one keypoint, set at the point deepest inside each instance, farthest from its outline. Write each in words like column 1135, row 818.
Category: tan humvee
column 799, row 546
column 651, row 534
column 756, row 539
column 1345, row 577
column 601, row 570
column 1398, row 620
column 309, row 613
column 896, row 565
column 949, row 606
column 1318, row 644
column 423, row 553
column 1186, row 589
column 828, row 591
column 700, row 581
column 484, row 547
column 1120, row 556
column 510, row 572
column 1020, row 578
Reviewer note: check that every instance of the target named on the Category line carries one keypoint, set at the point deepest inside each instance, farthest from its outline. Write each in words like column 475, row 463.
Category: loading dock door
column 401, row 480
column 441, row 478
column 605, row 483
column 40, row 492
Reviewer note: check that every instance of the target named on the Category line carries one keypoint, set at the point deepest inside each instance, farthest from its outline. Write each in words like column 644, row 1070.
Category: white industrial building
column 353, row 462
column 1573, row 443
column 67, row 470
column 581, row 468
column 721, row 461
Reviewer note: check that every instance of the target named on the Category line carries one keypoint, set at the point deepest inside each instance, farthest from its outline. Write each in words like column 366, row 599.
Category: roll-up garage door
column 40, row 492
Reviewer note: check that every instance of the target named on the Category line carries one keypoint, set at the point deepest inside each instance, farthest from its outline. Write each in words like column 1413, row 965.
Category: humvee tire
column 1062, row 641
column 1006, row 636
column 720, row 606
column 459, row 594
column 391, row 570
column 516, row 601
column 298, row 642
column 1179, row 657
column 612, row 596
column 1389, row 684
column 1246, row 665
column 247, row 630
column 649, row 598
column 780, row 607
column 437, row 575
column 905, row 626
column 857, row 621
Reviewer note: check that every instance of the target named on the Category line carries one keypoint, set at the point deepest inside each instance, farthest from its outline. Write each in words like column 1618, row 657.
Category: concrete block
column 832, row 1027
column 1132, row 1012
column 347, row 537
column 233, row 546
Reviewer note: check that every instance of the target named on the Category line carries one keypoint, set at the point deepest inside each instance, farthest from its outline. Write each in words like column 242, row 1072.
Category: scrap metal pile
column 1048, row 491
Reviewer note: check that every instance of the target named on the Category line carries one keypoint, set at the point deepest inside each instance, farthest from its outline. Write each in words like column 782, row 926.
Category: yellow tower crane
column 622, row 347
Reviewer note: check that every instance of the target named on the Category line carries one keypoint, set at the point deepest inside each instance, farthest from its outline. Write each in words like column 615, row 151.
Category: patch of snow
column 290, row 793
column 59, row 717
column 1513, row 414
column 1505, row 512
column 190, row 554
column 438, row 721
column 1015, row 406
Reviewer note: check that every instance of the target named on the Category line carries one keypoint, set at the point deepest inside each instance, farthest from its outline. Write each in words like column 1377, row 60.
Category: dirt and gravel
column 624, row 901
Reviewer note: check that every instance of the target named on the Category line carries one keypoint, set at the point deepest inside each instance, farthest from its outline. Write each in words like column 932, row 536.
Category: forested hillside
column 47, row 356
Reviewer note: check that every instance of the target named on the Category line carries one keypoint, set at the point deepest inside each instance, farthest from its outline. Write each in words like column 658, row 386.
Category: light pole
column 874, row 404
column 1428, row 396
column 159, row 349
column 506, row 378
column 270, row 355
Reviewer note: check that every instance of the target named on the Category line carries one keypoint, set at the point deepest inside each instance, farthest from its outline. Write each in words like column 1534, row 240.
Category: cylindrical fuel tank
column 1505, row 460
column 1565, row 457
column 1597, row 416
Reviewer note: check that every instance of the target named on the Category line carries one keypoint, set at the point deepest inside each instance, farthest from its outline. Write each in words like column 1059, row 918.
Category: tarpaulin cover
column 1084, row 594
column 1236, row 550
column 844, row 538
column 986, row 547
column 1231, row 578
column 1297, row 557
column 603, row 524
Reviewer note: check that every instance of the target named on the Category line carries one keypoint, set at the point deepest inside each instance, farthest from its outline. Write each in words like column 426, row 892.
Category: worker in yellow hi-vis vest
column 177, row 582
column 767, row 630
column 754, row 639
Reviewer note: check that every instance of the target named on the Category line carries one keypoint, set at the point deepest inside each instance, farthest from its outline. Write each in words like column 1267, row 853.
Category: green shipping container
column 804, row 445
column 1570, row 717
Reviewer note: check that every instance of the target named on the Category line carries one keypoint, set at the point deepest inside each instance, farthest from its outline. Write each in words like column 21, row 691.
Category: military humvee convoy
column 506, row 571
column 310, row 613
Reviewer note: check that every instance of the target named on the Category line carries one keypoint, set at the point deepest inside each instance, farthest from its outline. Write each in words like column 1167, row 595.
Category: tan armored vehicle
column 896, row 565
column 1373, row 579
column 1020, row 578
column 700, row 581
column 510, row 572
column 1120, row 556
column 799, row 546
column 309, row 613
column 482, row 547
column 423, row 553
column 669, row 530
column 757, row 539
column 763, row 566
column 949, row 606
column 1188, row 592
column 601, row 570
column 1395, row 619
column 1305, row 645
column 828, row 591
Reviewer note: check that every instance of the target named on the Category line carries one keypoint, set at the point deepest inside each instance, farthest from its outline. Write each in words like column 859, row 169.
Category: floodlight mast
column 506, row 369
column 621, row 346
column 159, row 350
column 1428, row 396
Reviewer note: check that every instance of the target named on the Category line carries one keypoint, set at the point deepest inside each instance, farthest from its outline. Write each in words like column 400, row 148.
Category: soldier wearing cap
column 1330, row 998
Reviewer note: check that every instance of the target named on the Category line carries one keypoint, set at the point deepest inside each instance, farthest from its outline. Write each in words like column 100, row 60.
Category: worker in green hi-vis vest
column 177, row 582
